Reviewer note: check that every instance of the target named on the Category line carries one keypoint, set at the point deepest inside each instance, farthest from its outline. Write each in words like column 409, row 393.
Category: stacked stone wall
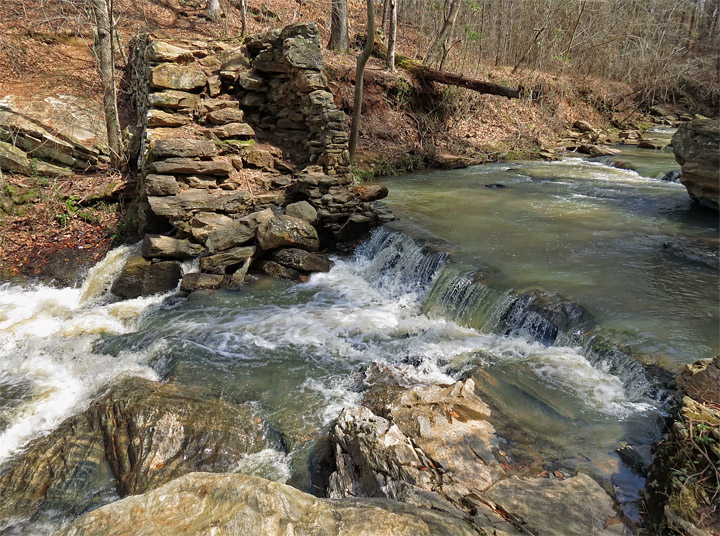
column 243, row 156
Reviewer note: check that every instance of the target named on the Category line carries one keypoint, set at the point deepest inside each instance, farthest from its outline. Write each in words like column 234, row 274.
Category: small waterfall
column 398, row 264
column 464, row 297
column 473, row 298
column 101, row 276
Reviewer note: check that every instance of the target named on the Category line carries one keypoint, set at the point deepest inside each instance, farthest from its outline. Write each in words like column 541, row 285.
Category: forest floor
column 45, row 49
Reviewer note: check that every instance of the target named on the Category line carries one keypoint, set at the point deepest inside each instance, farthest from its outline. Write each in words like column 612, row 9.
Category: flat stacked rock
column 210, row 189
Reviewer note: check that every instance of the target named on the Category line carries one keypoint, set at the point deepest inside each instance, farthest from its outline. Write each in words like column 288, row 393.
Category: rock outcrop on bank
column 696, row 145
column 52, row 136
column 432, row 446
column 244, row 160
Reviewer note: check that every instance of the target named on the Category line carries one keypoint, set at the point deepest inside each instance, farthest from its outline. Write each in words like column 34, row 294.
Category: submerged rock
column 227, row 504
column 696, row 253
column 547, row 507
column 137, row 437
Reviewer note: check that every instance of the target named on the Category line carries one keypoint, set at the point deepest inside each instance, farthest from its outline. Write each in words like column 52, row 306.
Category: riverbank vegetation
column 606, row 63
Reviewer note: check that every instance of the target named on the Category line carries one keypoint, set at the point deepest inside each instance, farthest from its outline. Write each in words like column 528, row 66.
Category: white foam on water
column 598, row 171
column 566, row 369
column 268, row 463
column 354, row 320
column 336, row 396
column 46, row 338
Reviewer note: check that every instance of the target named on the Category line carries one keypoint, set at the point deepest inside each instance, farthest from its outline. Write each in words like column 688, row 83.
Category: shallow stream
column 438, row 296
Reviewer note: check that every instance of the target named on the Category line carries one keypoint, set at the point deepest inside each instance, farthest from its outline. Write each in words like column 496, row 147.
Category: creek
column 465, row 283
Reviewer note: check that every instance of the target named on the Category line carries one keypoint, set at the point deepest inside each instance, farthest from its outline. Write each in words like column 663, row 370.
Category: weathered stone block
column 162, row 51
column 288, row 231
column 233, row 234
column 218, row 263
column 172, row 76
column 233, row 130
column 197, row 200
column 250, row 80
column 234, row 58
column 159, row 118
column 302, row 260
column 161, row 185
column 199, row 281
column 204, row 223
column 210, row 105
column 302, row 210
column 172, row 98
column 259, row 158
column 187, row 166
column 183, row 147
column 226, row 115
column 278, row 271
column 167, row 247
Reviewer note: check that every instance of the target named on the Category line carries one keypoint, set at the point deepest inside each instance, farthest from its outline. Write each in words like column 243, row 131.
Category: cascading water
column 47, row 368
column 563, row 393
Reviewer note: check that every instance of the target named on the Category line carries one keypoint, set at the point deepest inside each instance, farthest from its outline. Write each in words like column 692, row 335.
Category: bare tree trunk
column 212, row 10
column 243, row 18
column 436, row 47
column 339, row 26
column 105, row 50
column 385, row 17
column 392, row 36
column 359, row 79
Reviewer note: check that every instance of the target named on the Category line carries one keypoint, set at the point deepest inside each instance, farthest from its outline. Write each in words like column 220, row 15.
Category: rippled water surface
column 589, row 231
column 427, row 297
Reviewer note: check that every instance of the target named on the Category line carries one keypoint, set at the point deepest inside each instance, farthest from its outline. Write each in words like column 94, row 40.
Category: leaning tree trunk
column 212, row 10
column 437, row 45
column 359, row 78
column 433, row 75
column 391, row 36
column 339, row 39
column 105, row 50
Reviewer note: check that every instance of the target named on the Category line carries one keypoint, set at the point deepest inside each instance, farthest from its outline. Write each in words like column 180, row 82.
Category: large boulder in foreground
column 433, row 447
column 697, row 149
column 436, row 439
column 140, row 435
column 547, row 507
column 231, row 504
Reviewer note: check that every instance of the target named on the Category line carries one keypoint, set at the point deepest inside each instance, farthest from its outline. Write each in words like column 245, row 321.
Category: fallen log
column 428, row 73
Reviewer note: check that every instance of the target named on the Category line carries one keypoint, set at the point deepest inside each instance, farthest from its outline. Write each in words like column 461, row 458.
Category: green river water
column 437, row 296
